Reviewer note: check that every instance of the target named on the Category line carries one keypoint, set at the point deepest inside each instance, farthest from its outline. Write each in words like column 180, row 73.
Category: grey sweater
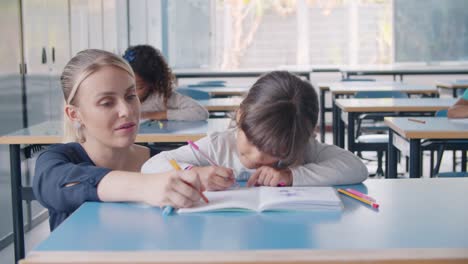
column 323, row 164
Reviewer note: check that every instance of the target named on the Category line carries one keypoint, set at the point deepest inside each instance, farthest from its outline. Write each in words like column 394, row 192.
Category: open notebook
column 269, row 199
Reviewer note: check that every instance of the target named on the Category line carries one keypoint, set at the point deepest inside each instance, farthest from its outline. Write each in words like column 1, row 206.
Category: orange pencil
column 373, row 204
column 417, row 120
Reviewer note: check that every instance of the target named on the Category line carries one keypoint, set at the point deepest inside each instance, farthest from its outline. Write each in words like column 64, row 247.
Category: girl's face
column 108, row 108
column 250, row 156
column 142, row 88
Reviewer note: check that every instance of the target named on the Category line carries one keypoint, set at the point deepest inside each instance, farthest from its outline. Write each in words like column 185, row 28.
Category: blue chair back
column 193, row 93
column 380, row 94
column 441, row 113
column 213, row 82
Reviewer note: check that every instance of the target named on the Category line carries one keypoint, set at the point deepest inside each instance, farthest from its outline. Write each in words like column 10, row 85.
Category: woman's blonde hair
column 80, row 67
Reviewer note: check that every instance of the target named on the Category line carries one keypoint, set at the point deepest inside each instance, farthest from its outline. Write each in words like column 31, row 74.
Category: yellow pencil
column 374, row 205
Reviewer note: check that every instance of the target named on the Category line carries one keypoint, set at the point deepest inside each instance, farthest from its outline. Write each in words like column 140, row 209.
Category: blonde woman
column 101, row 161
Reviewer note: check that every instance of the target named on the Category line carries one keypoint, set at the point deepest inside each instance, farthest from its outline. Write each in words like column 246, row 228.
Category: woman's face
column 108, row 108
column 142, row 88
column 250, row 156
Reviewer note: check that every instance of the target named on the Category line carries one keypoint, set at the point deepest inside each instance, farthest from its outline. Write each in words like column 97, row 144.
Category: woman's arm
column 62, row 185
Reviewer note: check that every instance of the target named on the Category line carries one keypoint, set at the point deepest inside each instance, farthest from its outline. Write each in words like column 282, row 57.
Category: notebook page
column 299, row 198
column 230, row 200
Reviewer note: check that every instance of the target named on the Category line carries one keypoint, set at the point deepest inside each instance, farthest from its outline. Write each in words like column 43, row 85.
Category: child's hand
column 175, row 188
column 269, row 176
column 214, row 178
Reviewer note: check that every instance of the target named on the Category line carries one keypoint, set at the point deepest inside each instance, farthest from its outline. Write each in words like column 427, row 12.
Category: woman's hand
column 268, row 176
column 178, row 189
column 215, row 178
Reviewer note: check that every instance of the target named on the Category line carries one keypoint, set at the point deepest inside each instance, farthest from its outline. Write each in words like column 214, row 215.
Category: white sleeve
column 184, row 155
column 181, row 107
column 331, row 166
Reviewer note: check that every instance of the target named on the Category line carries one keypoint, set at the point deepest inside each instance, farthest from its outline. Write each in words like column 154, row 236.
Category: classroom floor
column 40, row 232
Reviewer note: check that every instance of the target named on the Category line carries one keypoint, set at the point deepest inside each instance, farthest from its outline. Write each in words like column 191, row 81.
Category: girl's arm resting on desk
column 212, row 177
column 182, row 107
column 332, row 166
column 184, row 155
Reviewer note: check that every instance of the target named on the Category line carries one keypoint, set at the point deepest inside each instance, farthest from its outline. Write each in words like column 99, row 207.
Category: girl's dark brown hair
column 148, row 63
column 279, row 115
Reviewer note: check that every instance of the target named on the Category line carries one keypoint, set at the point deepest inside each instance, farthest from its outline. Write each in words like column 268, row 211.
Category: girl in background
column 155, row 87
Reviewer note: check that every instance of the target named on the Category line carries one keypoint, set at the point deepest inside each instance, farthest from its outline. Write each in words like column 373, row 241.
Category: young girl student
column 155, row 83
column 101, row 162
column 273, row 143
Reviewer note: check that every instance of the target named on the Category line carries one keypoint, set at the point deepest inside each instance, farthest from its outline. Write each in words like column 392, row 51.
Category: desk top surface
column 414, row 213
column 352, row 88
column 394, row 104
column 429, row 128
column 221, row 104
column 453, row 84
column 406, row 69
column 218, row 90
column 327, row 85
column 50, row 132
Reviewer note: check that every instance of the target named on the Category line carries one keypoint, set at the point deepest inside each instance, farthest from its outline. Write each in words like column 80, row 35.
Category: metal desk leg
column 340, row 128
column 322, row 115
column 351, row 121
column 415, row 158
column 463, row 161
column 17, row 201
column 335, row 123
column 392, row 157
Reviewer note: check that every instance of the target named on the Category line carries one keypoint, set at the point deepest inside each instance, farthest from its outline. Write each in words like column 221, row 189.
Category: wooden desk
column 402, row 70
column 454, row 86
column 221, row 104
column 349, row 110
column 215, row 91
column 324, row 88
column 340, row 89
column 406, row 136
column 51, row 133
column 240, row 73
column 419, row 221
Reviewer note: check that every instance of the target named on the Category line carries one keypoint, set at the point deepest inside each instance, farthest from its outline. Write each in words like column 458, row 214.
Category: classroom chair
column 378, row 137
column 441, row 146
column 194, row 93
column 213, row 82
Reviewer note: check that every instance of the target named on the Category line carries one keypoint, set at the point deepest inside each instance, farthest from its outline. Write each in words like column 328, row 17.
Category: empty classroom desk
column 324, row 88
column 419, row 220
column 406, row 135
column 401, row 70
column 348, row 110
column 221, row 104
column 339, row 89
column 454, row 86
column 51, row 132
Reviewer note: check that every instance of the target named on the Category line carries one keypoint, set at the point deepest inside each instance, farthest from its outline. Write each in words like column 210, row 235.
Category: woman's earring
column 77, row 125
